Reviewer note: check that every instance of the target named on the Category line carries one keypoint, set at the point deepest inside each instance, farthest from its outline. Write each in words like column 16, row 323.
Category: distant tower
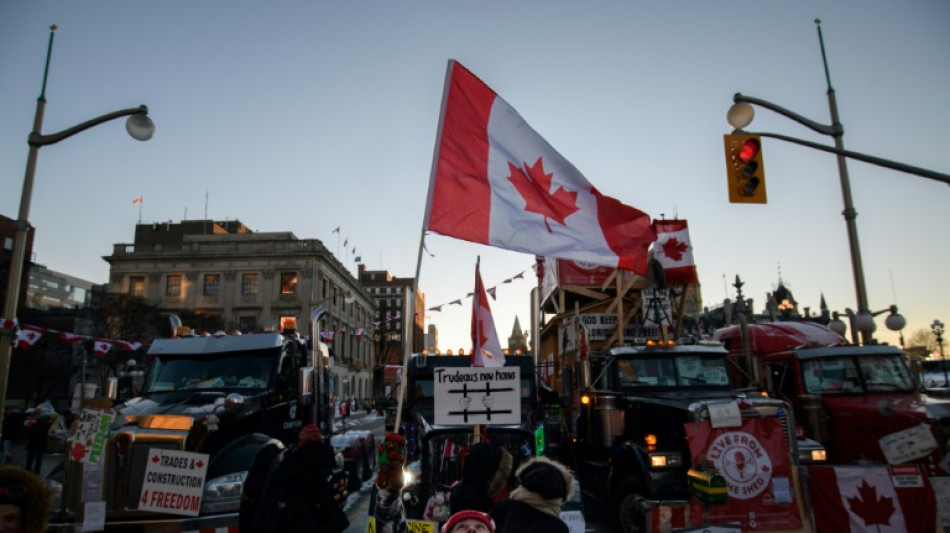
column 518, row 339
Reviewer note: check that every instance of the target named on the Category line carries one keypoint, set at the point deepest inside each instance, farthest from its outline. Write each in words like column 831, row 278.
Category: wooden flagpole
column 411, row 305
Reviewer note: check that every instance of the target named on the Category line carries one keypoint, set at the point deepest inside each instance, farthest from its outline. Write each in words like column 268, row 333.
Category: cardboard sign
column 907, row 445
column 174, row 482
column 414, row 526
column 725, row 415
column 468, row 395
column 91, row 435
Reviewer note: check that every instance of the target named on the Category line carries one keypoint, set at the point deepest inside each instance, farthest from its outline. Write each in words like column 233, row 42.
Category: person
column 469, row 521
column 535, row 505
column 485, row 472
column 310, row 489
column 37, row 437
column 25, row 501
column 12, row 426
column 389, row 512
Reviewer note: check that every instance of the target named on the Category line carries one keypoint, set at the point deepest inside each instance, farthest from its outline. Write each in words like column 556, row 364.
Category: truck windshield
column 673, row 371
column 858, row 375
column 248, row 371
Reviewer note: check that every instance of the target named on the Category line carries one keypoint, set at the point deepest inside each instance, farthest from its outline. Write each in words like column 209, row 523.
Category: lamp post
column 741, row 114
column 938, row 328
column 863, row 323
column 139, row 126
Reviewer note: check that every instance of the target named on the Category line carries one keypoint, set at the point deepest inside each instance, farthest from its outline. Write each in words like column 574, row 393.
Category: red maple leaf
column 534, row 186
column 872, row 509
column 155, row 459
column 199, row 464
column 78, row 451
column 674, row 249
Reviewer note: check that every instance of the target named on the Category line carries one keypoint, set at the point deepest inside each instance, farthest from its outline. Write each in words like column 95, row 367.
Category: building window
column 137, row 286
column 247, row 324
column 173, row 286
column 249, row 284
column 288, row 282
column 212, row 284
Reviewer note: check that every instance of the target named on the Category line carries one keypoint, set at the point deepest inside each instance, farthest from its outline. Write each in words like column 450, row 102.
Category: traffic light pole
column 836, row 130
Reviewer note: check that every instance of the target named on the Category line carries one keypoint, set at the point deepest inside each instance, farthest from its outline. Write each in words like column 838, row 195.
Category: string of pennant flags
column 27, row 335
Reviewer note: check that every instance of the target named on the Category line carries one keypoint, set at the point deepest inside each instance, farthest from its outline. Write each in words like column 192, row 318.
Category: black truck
column 238, row 398
column 623, row 426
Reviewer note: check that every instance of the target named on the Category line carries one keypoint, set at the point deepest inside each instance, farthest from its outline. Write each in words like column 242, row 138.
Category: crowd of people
column 481, row 501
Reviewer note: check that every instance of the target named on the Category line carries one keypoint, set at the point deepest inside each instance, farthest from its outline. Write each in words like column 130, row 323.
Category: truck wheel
column 353, row 474
column 631, row 514
column 367, row 470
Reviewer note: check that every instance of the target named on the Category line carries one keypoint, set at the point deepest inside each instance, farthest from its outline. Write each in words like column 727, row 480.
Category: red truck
column 846, row 397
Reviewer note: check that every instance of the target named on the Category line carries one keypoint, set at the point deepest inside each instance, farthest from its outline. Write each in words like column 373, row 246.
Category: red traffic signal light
column 745, row 170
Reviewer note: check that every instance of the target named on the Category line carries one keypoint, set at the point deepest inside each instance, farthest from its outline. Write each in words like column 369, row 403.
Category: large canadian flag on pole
column 674, row 252
column 495, row 181
column 486, row 350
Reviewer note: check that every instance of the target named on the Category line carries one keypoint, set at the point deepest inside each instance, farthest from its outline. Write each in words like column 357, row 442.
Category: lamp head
column 139, row 126
column 740, row 115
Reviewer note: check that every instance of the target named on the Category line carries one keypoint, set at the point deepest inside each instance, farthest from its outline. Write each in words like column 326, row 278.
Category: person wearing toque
column 535, row 505
column 25, row 501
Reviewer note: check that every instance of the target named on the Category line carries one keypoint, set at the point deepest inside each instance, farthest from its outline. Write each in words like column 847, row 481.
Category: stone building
column 227, row 277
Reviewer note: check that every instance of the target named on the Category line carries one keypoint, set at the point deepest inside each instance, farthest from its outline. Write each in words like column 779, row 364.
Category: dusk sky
column 304, row 116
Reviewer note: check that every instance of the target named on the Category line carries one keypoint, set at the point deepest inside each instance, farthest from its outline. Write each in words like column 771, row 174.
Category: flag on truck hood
column 495, row 181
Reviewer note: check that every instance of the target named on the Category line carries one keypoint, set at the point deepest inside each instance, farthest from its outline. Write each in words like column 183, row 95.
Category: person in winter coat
column 37, row 437
column 485, row 472
column 390, row 513
column 535, row 506
column 25, row 501
column 309, row 488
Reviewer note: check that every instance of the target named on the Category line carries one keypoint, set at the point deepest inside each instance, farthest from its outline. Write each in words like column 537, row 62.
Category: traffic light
column 744, row 168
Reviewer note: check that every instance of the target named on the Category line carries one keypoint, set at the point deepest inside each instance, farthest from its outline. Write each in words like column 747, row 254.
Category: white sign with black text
column 470, row 395
column 174, row 482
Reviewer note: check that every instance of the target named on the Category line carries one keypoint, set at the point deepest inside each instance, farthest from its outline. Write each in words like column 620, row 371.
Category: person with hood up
column 485, row 471
column 309, row 487
column 535, row 506
column 25, row 501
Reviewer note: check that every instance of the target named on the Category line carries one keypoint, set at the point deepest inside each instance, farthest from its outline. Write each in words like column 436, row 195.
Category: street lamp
column 741, row 115
column 138, row 125
column 938, row 329
column 863, row 323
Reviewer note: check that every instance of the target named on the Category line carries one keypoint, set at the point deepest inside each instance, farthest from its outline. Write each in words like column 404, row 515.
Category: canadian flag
column 129, row 346
column 358, row 332
column 71, row 338
column 327, row 335
column 7, row 323
column 28, row 335
column 674, row 252
column 486, row 350
column 101, row 347
column 865, row 498
column 495, row 181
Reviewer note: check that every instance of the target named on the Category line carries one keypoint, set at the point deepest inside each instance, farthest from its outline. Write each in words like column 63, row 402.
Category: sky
column 306, row 116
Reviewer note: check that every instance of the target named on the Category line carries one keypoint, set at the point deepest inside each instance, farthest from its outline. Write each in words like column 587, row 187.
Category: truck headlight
column 665, row 460
column 223, row 493
column 819, row 455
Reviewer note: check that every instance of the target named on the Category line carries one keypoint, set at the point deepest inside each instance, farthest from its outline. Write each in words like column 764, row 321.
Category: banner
column 754, row 460
column 866, row 498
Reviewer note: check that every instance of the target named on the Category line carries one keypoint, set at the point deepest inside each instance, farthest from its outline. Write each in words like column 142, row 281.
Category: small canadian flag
column 6, row 323
column 28, row 335
column 129, row 346
column 358, row 332
column 101, row 347
column 71, row 338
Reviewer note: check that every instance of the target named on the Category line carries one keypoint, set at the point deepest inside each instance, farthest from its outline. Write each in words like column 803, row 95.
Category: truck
column 433, row 450
column 847, row 397
column 627, row 412
column 240, row 399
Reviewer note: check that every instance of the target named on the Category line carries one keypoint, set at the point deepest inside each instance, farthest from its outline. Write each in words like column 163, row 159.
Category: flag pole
column 407, row 352
column 142, row 201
